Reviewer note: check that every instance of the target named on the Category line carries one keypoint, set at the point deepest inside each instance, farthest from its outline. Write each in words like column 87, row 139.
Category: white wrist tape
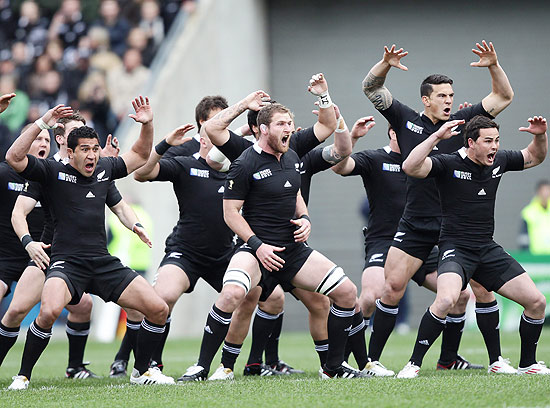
column 225, row 166
column 324, row 100
column 43, row 125
column 215, row 155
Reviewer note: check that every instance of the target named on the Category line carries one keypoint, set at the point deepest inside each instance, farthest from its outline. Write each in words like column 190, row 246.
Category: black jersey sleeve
column 168, row 170
column 362, row 164
column 396, row 112
column 237, row 183
column 119, row 169
column 113, row 195
column 316, row 161
column 303, row 141
column 234, row 146
column 36, row 170
column 514, row 160
column 32, row 190
column 438, row 165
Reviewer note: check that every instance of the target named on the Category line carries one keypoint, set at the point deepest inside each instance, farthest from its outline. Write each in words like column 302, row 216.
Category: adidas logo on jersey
column 376, row 258
column 495, row 172
column 482, row 192
column 100, row 177
column 90, row 195
column 447, row 254
column 221, row 189
column 287, row 184
column 424, row 342
column 397, row 235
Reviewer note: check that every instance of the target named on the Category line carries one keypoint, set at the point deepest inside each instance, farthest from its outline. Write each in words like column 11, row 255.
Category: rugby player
column 80, row 260
column 467, row 182
column 418, row 229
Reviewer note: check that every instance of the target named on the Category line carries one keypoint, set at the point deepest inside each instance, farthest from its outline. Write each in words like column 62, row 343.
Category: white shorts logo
column 57, row 264
column 175, row 255
column 447, row 254
column 376, row 258
column 397, row 235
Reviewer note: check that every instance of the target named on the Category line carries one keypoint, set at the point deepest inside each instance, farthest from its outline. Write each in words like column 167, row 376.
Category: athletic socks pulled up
column 452, row 333
column 487, row 317
column 529, row 332
column 383, row 323
column 230, row 352
column 321, row 347
column 77, row 333
column 215, row 330
column 37, row 340
column 340, row 321
column 356, row 341
column 157, row 354
column 272, row 346
column 430, row 328
column 261, row 329
column 148, row 338
column 128, row 343
column 8, row 337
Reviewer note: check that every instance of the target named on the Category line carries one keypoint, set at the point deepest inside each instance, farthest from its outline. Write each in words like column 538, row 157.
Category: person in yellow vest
column 535, row 230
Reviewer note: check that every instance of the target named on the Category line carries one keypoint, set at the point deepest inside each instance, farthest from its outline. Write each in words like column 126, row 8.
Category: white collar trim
column 462, row 152
column 257, row 147
column 387, row 149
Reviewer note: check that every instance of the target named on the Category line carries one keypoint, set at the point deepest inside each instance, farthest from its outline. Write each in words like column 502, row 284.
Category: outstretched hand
column 318, row 85
column 448, row 129
column 537, row 126
column 336, row 110
column 393, row 57
column 486, row 53
column 257, row 100
column 5, row 101
column 362, row 126
column 464, row 105
column 177, row 136
column 112, row 148
column 54, row 114
column 144, row 112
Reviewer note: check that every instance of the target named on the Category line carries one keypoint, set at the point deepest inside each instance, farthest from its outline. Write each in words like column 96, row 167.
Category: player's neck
column 262, row 143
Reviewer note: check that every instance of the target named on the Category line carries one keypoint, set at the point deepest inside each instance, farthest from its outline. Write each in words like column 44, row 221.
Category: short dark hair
column 471, row 130
column 252, row 117
column 202, row 110
column 426, row 88
column 266, row 113
column 60, row 131
column 83, row 132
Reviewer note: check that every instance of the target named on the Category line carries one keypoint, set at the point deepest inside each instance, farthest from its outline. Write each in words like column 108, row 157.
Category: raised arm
column 501, row 93
column 16, row 156
column 217, row 127
column 373, row 84
column 151, row 169
column 326, row 122
column 360, row 128
column 342, row 146
column 418, row 164
column 536, row 151
column 130, row 220
column 5, row 101
column 139, row 152
column 23, row 206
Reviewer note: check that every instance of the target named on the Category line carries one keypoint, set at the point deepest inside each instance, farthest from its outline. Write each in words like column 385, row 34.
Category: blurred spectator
column 137, row 38
column 151, row 22
column 125, row 82
column 8, row 22
column 32, row 29
column 171, row 8
column 102, row 57
column 68, row 24
column 22, row 57
column 535, row 225
column 116, row 25
column 41, row 66
column 95, row 105
column 15, row 115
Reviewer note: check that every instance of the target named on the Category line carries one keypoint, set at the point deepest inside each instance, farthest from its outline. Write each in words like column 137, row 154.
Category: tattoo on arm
column 378, row 94
column 226, row 116
column 330, row 156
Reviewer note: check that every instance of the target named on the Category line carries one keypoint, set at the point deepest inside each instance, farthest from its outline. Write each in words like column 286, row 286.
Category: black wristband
column 305, row 216
column 254, row 242
column 137, row 224
column 26, row 240
column 162, row 147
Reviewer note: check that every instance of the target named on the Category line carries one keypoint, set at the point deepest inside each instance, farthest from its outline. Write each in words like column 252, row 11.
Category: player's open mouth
column 284, row 140
column 491, row 156
column 42, row 153
column 89, row 166
column 447, row 111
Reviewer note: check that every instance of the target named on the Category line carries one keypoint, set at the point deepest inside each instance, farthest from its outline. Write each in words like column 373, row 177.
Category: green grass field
column 430, row 389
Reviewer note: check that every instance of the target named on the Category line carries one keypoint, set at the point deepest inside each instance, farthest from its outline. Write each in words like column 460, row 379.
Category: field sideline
column 431, row 389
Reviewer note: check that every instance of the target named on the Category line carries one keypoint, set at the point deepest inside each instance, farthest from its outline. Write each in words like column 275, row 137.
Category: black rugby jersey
column 412, row 128
column 312, row 163
column 269, row 188
column 199, row 189
column 186, row 149
column 77, row 203
column 11, row 184
column 468, row 193
column 33, row 189
column 384, row 183
column 301, row 142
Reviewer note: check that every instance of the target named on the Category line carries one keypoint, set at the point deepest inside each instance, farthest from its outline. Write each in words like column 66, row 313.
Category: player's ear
column 263, row 128
column 426, row 100
column 70, row 152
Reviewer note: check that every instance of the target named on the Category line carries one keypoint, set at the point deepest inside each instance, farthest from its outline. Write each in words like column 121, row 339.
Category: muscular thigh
column 313, row 271
column 247, row 262
column 30, row 285
column 170, row 283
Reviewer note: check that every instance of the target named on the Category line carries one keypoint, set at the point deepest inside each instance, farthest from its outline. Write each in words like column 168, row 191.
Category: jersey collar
column 462, row 152
column 197, row 137
column 257, row 147
column 387, row 149
column 57, row 157
column 196, row 155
